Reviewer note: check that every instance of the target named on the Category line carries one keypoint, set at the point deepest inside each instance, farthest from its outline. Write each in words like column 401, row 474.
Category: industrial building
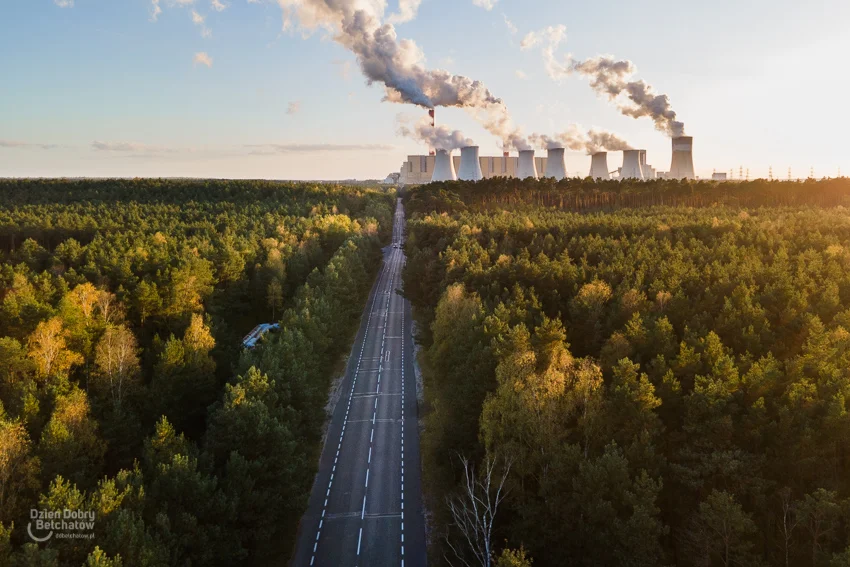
column 420, row 169
column 682, row 166
column 469, row 166
column 444, row 169
column 599, row 166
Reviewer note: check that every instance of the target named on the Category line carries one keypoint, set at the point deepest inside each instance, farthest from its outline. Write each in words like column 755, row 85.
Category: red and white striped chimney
column 432, row 113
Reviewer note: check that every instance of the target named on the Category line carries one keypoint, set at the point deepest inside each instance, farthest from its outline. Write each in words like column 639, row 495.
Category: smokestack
column 526, row 168
column 631, row 165
column 444, row 169
column 470, row 165
column 433, row 114
column 682, row 166
column 556, row 165
column 599, row 166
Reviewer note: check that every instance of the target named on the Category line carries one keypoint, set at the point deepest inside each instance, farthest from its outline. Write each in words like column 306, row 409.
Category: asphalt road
column 366, row 504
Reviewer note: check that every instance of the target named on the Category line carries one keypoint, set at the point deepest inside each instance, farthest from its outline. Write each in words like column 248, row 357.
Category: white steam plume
column 609, row 77
column 437, row 137
column 600, row 140
column 574, row 139
column 398, row 64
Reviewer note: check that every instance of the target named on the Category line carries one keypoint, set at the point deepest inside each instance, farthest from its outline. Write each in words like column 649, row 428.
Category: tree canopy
column 665, row 362
column 124, row 387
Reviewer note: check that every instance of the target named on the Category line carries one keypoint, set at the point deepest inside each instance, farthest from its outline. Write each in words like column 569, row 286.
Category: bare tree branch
column 474, row 509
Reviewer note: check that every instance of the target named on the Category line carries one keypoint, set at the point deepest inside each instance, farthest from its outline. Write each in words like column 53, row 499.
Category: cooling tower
column 599, row 166
column 556, row 165
column 682, row 166
column 526, row 168
column 470, row 165
column 444, row 169
column 632, row 165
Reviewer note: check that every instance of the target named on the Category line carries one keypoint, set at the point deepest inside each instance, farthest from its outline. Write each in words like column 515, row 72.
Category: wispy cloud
column 271, row 149
column 126, row 149
column 486, row 4
column 511, row 26
column 407, row 10
column 549, row 39
column 520, row 74
column 26, row 145
column 294, row 108
column 155, row 10
column 218, row 6
column 202, row 58
column 64, row 3
column 200, row 21
column 131, row 147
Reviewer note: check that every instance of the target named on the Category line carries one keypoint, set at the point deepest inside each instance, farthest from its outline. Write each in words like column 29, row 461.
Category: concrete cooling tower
column 470, row 165
column 556, row 165
column 526, row 168
column 682, row 166
column 444, row 169
column 632, row 165
column 599, row 166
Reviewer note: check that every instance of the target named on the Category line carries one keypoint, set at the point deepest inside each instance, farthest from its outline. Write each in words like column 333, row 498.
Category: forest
column 124, row 388
column 653, row 373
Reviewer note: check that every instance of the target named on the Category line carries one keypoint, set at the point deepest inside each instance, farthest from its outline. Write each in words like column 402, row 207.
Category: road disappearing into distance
column 366, row 505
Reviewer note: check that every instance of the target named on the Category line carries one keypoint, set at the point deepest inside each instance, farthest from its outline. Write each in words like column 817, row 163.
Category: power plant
column 682, row 166
column 599, row 166
column 419, row 169
column 470, row 165
column 527, row 168
column 632, row 167
column 444, row 168
column 556, row 165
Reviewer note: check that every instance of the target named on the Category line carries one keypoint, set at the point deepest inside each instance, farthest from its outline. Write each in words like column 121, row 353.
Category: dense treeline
column 670, row 384
column 589, row 194
column 124, row 389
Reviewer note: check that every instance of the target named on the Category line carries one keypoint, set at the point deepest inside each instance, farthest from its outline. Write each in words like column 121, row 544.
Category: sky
column 222, row 88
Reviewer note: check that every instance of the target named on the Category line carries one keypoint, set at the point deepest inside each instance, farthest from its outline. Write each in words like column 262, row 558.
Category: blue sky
column 98, row 88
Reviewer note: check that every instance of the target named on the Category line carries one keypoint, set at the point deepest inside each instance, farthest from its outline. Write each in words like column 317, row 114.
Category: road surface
column 366, row 504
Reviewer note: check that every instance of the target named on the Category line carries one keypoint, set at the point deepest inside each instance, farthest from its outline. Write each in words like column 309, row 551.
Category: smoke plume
column 398, row 64
column 439, row 137
column 600, row 140
column 574, row 139
column 610, row 77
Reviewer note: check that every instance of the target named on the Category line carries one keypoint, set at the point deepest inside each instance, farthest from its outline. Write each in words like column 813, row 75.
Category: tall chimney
column 556, row 165
column 631, row 165
column 599, row 166
column 526, row 167
column 444, row 169
column 433, row 114
column 470, row 165
column 682, row 166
